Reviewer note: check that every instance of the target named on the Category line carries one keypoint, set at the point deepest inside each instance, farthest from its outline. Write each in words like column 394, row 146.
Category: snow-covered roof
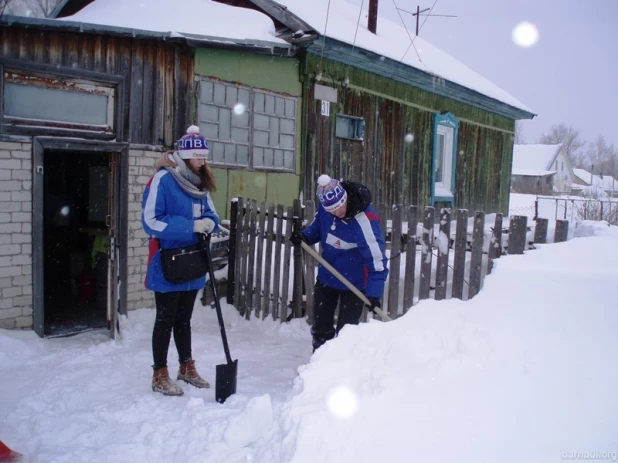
column 583, row 175
column 534, row 158
column 532, row 172
column 205, row 18
column 607, row 182
column 392, row 41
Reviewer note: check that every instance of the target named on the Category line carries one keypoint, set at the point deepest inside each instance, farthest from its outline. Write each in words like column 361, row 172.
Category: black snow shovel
column 225, row 384
column 343, row 280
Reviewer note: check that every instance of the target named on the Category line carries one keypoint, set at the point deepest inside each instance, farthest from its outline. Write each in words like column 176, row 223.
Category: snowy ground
column 524, row 372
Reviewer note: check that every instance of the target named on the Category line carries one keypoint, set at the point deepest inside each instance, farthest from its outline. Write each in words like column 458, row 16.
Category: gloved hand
column 375, row 302
column 297, row 237
column 203, row 226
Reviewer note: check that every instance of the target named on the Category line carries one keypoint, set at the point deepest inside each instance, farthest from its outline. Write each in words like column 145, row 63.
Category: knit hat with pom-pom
column 331, row 193
column 193, row 145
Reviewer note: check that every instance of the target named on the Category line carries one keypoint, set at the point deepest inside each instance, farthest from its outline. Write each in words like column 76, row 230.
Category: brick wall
column 15, row 235
column 141, row 168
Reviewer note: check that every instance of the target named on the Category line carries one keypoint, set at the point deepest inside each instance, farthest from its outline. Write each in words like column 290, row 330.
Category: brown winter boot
column 161, row 382
column 188, row 373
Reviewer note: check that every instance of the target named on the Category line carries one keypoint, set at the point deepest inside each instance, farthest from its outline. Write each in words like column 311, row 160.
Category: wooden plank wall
column 158, row 75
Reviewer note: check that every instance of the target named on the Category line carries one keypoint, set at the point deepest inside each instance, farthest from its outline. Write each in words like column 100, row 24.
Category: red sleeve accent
column 372, row 216
column 153, row 246
column 149, row 182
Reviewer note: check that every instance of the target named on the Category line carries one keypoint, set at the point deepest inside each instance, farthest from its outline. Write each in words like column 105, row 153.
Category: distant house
column 585, row 183
column 541, row 169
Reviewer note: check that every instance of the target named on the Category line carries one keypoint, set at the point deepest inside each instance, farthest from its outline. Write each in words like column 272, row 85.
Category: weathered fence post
column 459, row 259
column 277, row 261
column 309, row 267
column 476, row 259
column 444, row 242
column 426, row 246
column 408, row 290
column 244, row 257
column 393, row 291
column 562, row 231
column 495, row 244
column 231, row 259
column 297, row 292
column 517, row 234
column 270, row 213
column 286, row 265
column 250, row 288
column 540, row 231
column 259, row 267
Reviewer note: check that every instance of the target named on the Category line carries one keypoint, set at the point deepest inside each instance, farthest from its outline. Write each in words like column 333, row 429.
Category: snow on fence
column 576, row 208
column 440, row 258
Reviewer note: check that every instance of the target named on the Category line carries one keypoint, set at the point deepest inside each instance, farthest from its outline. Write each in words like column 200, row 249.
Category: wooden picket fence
column 268, row 277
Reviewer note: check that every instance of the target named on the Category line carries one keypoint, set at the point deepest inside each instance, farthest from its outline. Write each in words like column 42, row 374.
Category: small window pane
column 287, row 141
column 287, row 126
column 219, row 94
column 288, row 159
column 241, row 120
column 278, row 158
column 259, row 102
column 440, row 157
column 225, row 124
column 269, row 158
column 209, row 113
column 260, row 138
column 274, row 132
column 258, row 157
column 240, row 135
column 217, row 151
column 279, row 106
column 206, row 91
column 243, row 97
column 231, row 97
column 350, row 127
column 269, row 104
column 242, row 155
column 230, row 153
column 290, row 108
column 210, row 131
column 261, row 122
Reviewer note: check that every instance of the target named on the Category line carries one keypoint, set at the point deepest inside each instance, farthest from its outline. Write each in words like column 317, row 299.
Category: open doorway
column 78, row 227
column 75, row 241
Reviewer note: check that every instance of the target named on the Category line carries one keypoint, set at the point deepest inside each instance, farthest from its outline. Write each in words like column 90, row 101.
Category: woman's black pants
column 174, row 311
column 325, row 301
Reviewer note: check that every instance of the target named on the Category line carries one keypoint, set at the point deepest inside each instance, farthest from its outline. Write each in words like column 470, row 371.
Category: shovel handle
column 211, row 273
column 343, row 280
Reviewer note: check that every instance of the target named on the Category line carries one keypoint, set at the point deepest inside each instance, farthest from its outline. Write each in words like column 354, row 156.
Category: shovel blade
column 226, row 381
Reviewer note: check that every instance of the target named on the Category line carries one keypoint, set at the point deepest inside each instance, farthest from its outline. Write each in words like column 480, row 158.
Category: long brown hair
column 207, row 177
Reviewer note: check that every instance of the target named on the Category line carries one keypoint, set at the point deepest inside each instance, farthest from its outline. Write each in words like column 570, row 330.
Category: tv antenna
column 420, row 12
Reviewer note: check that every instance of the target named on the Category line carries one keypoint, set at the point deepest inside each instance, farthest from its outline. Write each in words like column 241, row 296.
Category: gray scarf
column 185, row 177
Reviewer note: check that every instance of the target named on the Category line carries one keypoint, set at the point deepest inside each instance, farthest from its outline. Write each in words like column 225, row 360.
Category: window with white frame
column 247, row 127
column 444, row 157
column 38, row 100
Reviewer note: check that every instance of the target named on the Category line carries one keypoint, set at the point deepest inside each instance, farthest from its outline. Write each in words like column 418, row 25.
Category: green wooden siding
column 272, row 73
column 395, row 170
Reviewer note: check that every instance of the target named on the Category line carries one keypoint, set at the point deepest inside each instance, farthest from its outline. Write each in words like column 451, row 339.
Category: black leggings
column 325, row 301
column 174, row 312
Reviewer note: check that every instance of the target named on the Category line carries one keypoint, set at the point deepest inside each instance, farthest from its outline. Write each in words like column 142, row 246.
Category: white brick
column 27, row 185
column 25, row 280
column 5, row 175
column 6, row 304
column 21, row 196
column 23, row 259
column 8, row 324
column 26, row 248
column 5, row 217
column 6, row 261
column 22, row 175
column 26, row 206
column 10, row 271
column 22, row 301
column 6, row 282
column 24, row 322
column 10, row 250
column 10, row 164
column 20, row 238
column 22, row 155
column 12, row 292
column 9, row 145
column 20, row 217
column 10, row 185
column 10, row 207
column 26, row 227
column 10, row 227
column 5, row 196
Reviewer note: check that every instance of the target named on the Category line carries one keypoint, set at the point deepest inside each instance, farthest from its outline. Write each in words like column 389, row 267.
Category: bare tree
column 31, row 8
column 603, row 156
column 570, row 139
column 519, row 133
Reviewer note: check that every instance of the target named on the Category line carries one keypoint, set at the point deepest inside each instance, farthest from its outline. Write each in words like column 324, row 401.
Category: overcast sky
column 570, row 75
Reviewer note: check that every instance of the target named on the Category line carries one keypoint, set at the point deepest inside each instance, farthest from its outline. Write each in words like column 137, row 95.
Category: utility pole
column 419, row 12
column 372, row 24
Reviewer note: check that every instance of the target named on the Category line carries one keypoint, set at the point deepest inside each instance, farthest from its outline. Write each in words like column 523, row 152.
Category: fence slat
column 562, row 231
column 517, row 234
column 278, row 262
column 426, row 247
column 393, row 290
column 297, row 294
column 495, row 244
column 443, row 242
column 287, row 253
column 269, row 259
column 409, row 276
column 258, row 293
column 238, row 257
column 245, row 259
column 540, row 231
column 459, row 258
column 251, row 264
column 309, row 267
column 231, row 262
column 476, row 258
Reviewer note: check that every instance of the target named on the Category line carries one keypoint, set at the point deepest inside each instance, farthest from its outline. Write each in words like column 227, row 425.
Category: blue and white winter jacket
column 353, row 245
column 168, row 214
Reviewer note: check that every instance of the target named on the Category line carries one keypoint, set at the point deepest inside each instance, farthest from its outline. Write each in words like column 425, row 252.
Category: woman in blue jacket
column 348, row 229
column 176, row 207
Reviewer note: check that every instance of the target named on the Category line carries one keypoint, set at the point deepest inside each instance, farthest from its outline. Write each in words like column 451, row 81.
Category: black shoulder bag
column 181, row 265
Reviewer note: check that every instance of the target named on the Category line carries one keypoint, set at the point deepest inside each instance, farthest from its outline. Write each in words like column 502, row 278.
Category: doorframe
column 39, row 146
